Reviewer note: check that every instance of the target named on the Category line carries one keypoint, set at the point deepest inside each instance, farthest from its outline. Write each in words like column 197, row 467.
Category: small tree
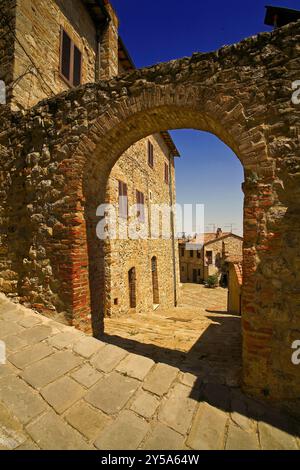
column 213, row 281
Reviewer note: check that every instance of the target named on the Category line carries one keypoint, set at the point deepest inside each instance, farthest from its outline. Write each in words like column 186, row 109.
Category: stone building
column 234, row 272
column 204, row 255
column 52, row 46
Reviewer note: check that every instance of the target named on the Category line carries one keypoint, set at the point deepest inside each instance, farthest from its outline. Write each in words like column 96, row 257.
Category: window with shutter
column 70, row 60
column 140, row 200
column 150, row 154
column 123, row 200
column 166, row 173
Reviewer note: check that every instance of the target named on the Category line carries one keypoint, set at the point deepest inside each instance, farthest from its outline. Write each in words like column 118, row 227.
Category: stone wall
column 37, row 48
column 232, row 247
column 132, row 168
column 62, row 151
column 225, row 246
column 7, row 43
column 34, row 55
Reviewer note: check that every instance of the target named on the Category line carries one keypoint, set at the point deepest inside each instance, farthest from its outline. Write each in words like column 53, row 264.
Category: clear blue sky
column 162, row 30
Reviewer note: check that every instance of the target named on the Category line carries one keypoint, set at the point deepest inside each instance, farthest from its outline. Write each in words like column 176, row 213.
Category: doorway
column 132, row 287
column 155, row 285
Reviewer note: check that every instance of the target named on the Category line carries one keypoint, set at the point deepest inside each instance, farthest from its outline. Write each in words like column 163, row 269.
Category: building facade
column 204, row 255
column 49, row 47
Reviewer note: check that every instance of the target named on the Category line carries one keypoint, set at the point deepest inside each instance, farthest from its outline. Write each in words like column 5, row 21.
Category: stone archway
column 69, row 144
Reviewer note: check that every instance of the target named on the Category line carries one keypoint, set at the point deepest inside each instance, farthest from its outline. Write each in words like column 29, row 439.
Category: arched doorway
column 155, row 285
column 132, row 287
column 231, row 93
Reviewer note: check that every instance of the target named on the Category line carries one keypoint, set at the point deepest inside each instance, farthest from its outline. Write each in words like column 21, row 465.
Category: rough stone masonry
column 56, row 158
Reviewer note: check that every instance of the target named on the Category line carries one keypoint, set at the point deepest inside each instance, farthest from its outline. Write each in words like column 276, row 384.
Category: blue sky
column 162, row 30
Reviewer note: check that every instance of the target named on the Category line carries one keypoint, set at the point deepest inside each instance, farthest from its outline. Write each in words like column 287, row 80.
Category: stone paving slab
column 163, row 438
column 178, row 409
column 272, row 438
column 36, row 334
column 208, row 429
column 145, row 404
column 30, row 355
column 238, row 439
column 112, row 393
column 65, row 339
column 108, row 358
column 50, row 369
column 66, row 391
column 160, row 379
column 125, row 433
column 87, row 376
column 9, row 329
column 7, row 370
column 15, row 343
column 135, row 366
column 50, row 432
column 29, row 322
column 21, row 399
column 62, row 394
column 88, row 346
column 87, row 420
column 11, row 430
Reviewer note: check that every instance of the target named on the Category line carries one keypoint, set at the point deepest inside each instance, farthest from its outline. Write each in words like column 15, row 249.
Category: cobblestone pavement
column 60, row 389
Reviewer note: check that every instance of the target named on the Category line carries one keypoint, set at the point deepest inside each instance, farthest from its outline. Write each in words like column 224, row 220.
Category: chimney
column 219, row 233
column 110, row 45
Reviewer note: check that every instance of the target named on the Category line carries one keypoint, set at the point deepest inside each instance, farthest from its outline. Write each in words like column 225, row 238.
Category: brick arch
column 110, row 138
column 242, row 94
column 243, row 118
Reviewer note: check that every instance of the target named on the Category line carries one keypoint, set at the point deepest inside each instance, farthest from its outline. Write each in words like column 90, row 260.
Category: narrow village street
column 62, row 390
column 198, row 335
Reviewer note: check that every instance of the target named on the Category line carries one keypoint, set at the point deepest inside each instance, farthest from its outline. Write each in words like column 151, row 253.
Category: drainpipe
column 173, row 231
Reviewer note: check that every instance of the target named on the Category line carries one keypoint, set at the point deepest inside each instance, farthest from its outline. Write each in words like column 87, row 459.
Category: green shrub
column 213, row 281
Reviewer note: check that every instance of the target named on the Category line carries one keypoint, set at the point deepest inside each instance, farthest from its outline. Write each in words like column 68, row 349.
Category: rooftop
column 279, row 16
column 97, row 10
column 208, row 237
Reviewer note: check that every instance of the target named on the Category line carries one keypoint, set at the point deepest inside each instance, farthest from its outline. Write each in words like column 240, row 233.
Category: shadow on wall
column 217, row 364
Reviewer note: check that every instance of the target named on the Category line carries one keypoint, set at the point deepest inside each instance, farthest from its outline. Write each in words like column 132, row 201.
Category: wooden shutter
column 77, row 66
column 65, row 55
column 123, row 200
column 166, row 173
column 140, row 199
column 150, row 154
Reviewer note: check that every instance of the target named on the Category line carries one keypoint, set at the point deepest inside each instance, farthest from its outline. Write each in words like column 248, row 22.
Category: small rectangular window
column 191, row 254
column 123, row 200
column 209, row 258
column 166, row 173
column 140, row 200
column 70, row 60
column 150, row 154
column 182, row 252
